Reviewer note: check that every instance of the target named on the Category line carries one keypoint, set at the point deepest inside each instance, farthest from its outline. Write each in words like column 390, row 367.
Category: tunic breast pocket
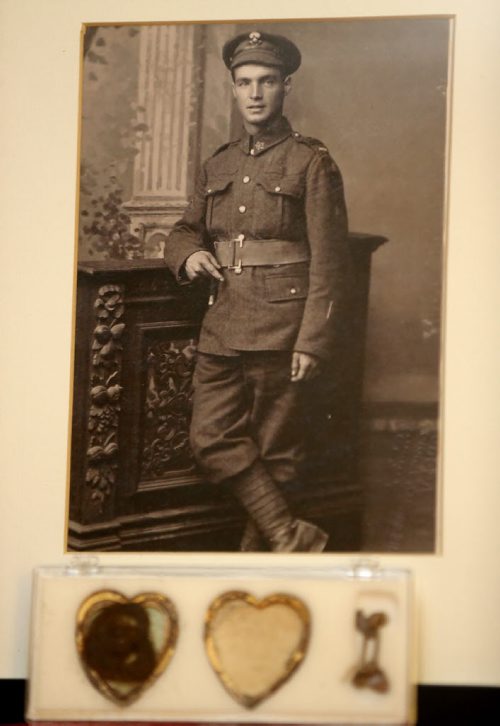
column 218, row 193
column 279, row 208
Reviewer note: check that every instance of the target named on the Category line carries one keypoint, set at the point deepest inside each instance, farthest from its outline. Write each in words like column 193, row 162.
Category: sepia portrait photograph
column 260, row 267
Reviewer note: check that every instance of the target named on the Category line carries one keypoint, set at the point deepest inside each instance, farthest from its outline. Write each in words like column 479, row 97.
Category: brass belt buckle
column 237, row 243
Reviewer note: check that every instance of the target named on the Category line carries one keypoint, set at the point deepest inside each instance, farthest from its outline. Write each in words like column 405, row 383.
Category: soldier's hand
column 304, row 366
column 202, row 264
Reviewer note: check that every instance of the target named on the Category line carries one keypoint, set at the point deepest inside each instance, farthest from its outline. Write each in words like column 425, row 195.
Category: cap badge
column 255, row 38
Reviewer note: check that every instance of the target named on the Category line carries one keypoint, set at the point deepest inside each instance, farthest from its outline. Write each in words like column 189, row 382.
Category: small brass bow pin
column 369, row 674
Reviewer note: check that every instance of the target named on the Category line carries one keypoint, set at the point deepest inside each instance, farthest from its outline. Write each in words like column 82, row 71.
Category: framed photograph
column 187, row 148
column 379, row 140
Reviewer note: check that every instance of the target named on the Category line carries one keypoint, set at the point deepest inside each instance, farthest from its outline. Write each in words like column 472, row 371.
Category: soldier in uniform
column 267, row 225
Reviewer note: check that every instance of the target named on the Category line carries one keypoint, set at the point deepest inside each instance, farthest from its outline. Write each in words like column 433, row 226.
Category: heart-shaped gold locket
column 125, row 643
column 254, row 645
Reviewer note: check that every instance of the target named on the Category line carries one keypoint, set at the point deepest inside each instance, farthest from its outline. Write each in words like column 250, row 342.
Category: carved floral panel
column 167, row 408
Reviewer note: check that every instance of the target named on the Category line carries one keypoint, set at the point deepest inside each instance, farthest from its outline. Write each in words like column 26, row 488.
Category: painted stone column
column 170, row 96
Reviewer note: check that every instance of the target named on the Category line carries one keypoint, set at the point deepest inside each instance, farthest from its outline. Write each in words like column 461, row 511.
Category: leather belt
column 234, row 254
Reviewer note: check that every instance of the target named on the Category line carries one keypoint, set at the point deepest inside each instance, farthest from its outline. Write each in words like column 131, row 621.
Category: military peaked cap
column 263, row 49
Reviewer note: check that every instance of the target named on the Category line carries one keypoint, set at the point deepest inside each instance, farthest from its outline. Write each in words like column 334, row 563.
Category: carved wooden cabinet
column 134, row 485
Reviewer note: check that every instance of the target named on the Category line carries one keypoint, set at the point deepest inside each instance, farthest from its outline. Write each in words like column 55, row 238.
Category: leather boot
column 259, row 494
column 252, row 540
column 302, row 536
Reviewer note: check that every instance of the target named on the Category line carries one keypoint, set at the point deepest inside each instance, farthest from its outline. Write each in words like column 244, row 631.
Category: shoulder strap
column 224, row 146
column 316, row 146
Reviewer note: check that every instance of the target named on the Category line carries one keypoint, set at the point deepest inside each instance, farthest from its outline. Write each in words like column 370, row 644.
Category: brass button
column 209, row 191
column 246, row 179
column 242, row 209
column 293, row 290
column 277, row 189
column 252, row 152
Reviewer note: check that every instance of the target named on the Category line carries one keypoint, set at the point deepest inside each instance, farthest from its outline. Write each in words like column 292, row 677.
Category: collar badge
column 259, row 145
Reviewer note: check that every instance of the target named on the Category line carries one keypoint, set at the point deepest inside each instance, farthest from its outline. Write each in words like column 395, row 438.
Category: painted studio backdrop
column 156, row 101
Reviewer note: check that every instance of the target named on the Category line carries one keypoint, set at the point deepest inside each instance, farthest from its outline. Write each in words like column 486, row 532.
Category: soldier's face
column 259, row 92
